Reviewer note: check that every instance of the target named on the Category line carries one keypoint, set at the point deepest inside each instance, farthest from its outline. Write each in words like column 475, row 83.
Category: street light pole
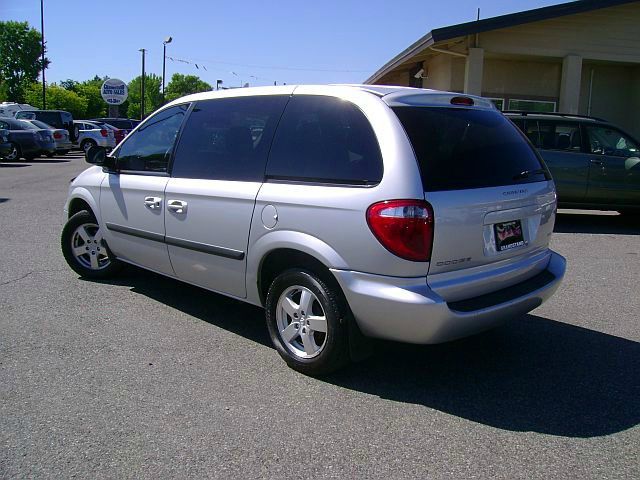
column 164, row 61
column 142, row 87
column 44, row 90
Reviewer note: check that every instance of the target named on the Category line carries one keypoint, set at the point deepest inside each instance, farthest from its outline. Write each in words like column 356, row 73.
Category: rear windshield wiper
column 526, row 173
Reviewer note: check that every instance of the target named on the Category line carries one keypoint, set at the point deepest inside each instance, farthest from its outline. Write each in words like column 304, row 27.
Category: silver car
column 347, row 212
column 60, row 137
column 92, row 134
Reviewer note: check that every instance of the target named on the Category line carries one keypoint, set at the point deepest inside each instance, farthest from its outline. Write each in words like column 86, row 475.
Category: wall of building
column 615, row 94
column 610, row 34
column 521, row 79
column 439, row 73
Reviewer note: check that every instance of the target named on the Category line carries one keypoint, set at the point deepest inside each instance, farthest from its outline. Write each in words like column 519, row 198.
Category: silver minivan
column 346, row 212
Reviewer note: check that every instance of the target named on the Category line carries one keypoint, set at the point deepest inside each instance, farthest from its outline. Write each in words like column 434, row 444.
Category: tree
column 20, row 59
column 58, row 98
column 181, row 85
column 153, row 95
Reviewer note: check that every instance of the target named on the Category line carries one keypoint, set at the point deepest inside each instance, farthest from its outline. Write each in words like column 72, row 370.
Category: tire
column 307, row 350
column 50, row 154
column 87, row 144
column 95, row 261
column 63, row 152
column 14, row 154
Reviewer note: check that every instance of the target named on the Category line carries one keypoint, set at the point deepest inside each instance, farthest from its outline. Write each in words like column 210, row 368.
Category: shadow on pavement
column 14, row 165
column 585, row 223
column 234, row 316
column 51, row 160
column 3, row 200
column 533, row 374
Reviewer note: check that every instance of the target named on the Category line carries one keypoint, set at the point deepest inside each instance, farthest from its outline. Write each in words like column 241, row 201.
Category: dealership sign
column 114, row 91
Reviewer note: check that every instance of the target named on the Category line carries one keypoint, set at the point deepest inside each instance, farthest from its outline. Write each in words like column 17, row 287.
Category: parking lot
column 146, row 377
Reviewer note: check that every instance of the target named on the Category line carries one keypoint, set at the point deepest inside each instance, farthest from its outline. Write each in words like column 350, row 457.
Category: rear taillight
column 57, row 135
column 104, row 133
column 404, row 227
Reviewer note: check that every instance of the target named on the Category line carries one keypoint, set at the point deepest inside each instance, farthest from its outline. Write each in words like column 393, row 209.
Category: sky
column 238, row 42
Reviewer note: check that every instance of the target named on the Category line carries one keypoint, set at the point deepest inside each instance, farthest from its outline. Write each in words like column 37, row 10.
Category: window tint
column 40, row 124
column 325, row 139
column 52, row 118
column 549, row 135
column 228, row 138
column 607, row 141
column 26, row 125
column 459, row 148
column 150, row 148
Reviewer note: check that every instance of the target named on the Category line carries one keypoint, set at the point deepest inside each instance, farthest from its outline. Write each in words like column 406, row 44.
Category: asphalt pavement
column 145, row 377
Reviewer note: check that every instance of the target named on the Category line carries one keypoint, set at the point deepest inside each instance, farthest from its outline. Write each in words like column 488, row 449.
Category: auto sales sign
column 114, row 91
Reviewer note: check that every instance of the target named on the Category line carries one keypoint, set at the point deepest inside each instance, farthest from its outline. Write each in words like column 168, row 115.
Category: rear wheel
column 14, row 153
column 87, row 144
column 84, row 248
column 307, row 324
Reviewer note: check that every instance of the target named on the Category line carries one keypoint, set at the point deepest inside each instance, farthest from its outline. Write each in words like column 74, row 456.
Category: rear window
column 459, row 148
column 52, row 118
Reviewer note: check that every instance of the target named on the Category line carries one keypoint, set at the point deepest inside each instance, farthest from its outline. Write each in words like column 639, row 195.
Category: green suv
column 594, row 164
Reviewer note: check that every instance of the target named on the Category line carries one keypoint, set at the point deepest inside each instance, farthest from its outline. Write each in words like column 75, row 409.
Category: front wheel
column 84, row 248
column 306, row 323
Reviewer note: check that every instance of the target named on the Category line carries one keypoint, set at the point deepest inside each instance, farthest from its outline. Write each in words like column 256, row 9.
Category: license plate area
column 508, row 235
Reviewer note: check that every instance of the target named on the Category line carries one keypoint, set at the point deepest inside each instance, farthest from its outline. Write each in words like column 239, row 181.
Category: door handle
column 177, row 206
column 152, row 202
column 595, row 161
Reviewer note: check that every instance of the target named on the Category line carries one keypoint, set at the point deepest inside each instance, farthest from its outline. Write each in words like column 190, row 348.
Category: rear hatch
column 492, row 196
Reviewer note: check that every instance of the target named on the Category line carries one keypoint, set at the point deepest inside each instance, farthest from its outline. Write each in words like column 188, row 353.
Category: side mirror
column 98, row 156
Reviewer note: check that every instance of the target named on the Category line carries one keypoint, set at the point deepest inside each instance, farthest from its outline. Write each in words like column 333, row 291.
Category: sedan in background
column 92, row 134
column 60, row 137
column 27, row 141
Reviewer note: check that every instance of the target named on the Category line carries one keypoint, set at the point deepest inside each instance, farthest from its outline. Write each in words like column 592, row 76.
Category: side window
column 150, row 148
column 549, row 135
column 608, row 141
column 325, row 139
column 228, row 138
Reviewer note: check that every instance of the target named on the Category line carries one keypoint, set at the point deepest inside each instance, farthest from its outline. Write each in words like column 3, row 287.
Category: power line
column 299, row 69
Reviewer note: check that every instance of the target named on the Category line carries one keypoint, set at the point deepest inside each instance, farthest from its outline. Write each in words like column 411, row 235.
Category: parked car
column 126, row 124
column 92, row 134
column 55, row 118
column 27, row 141
column 345, row 211
column 118, row 133
column 595, row 165
column 60, row 137
column 9, row 109
column 5, row 147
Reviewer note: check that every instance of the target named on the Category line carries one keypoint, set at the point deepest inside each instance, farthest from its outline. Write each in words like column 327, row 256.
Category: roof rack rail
column 524, row 113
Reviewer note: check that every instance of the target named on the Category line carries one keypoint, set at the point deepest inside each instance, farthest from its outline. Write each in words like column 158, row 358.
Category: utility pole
column 142, row 86
column 44, row 90
column 164, row 61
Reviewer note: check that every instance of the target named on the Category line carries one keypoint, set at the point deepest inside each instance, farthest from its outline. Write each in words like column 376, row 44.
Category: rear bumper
column 407, row 310
column 63, row 145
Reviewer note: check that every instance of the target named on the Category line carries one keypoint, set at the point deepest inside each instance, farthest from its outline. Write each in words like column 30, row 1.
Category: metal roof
column 494, row 23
